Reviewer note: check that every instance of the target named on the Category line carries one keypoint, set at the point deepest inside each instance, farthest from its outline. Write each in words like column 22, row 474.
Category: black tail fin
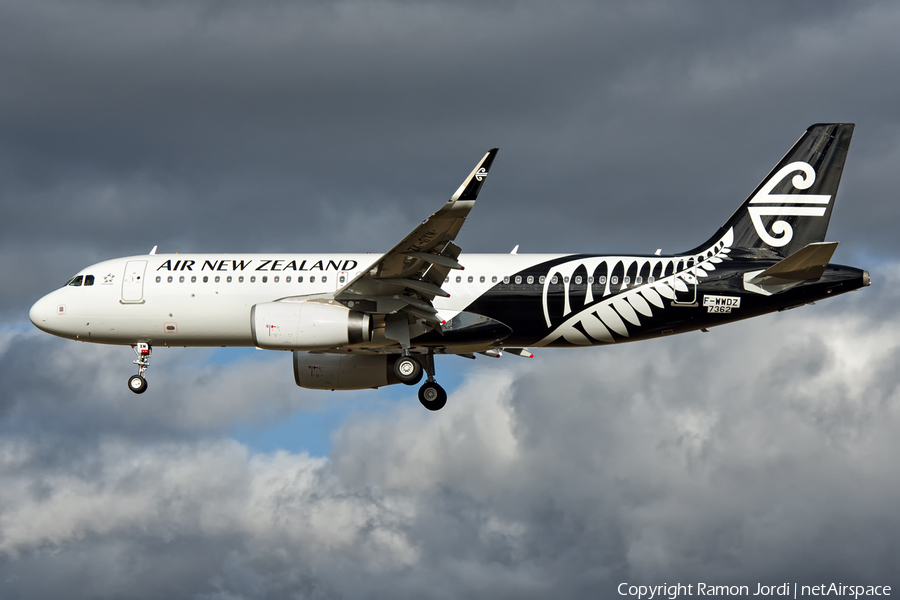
column 792, row 206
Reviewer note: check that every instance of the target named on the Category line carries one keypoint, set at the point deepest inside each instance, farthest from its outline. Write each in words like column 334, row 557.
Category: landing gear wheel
column 137, row 384
column 432, row 396
column 408, row 370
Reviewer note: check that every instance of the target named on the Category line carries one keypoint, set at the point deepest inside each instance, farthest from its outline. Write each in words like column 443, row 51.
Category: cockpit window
column 76, row 281
column 88, row 280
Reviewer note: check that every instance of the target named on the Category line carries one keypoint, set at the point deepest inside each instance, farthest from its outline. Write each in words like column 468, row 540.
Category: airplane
column 354, row 323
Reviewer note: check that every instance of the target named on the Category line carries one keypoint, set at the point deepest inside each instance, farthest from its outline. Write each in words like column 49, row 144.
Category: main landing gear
column 137, row 383
column 408, row 370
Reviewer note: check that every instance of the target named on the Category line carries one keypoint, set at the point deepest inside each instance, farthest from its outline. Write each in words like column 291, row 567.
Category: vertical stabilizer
column 791, row 208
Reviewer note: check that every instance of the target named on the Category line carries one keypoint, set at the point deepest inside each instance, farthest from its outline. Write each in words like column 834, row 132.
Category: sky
column 761, row 452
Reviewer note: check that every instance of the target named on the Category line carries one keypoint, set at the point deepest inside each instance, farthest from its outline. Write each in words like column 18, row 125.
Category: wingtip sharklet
column 472, row 185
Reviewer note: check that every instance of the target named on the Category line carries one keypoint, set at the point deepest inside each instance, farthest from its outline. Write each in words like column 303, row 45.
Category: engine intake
column 307, row 326
column 344, row 371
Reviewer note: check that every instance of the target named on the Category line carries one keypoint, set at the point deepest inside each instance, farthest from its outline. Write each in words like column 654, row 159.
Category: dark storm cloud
column 759, row 452
column 220, row 127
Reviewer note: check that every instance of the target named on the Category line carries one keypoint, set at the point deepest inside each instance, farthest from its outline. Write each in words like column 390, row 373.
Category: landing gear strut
column 431, row 395
column 137, row 383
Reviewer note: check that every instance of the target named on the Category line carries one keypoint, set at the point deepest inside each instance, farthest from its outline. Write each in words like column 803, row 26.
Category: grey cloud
column 217, row 127
column 758, row 452
column 68, row 394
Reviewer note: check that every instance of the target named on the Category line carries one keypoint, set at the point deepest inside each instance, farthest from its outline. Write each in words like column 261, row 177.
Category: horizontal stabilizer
column 805, row 264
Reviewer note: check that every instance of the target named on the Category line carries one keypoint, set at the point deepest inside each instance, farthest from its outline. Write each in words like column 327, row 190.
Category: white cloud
column 763, row 450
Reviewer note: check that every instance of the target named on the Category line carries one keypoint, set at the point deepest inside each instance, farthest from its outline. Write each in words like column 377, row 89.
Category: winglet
column 472, row 185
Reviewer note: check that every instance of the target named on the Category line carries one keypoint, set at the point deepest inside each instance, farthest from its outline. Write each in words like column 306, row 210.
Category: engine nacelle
column 344, row 371
column 307, row 326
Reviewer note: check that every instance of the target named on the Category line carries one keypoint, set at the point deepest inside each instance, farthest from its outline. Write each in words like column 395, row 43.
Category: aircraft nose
column 42, row 310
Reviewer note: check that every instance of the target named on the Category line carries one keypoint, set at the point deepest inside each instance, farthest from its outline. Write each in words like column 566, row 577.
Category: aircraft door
column 686, row 285
column 133, row 282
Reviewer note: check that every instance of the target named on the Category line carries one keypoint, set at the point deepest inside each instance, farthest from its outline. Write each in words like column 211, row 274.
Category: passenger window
column 181, row 279
column 205, row 279
column 494, row 279
column 471, row 279
column 578, row 280
column 650, row 279
column 530, row 279
column 169, row 279
column 555, row 279
column 265, row 278
column 193, row 279
column 276, row 279
column 300, row 279
column 158, row 279
column 88, row 280
column 614, row 280
column 324, row 278
column 218, row 279
column 481, row 279
column 253, row 279
column 518, row 279
column 447, row 279
column 343, row 279
column 506, row 279
column 542, row 279
column 228, row 279
column 627, row 280
column 638, row 280
column 312, row 278
column 566, row 279
column 458, row 279
column 75, row 281
column 287, row 279
column 603, row 280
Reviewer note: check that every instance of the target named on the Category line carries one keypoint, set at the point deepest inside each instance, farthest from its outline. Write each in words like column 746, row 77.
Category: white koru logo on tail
column 801, row 181
column 481, row 174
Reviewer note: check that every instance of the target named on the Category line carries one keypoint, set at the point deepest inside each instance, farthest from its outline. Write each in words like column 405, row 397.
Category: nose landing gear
column 137, row 383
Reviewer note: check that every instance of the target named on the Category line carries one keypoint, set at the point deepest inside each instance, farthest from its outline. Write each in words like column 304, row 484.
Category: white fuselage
column 205, row 299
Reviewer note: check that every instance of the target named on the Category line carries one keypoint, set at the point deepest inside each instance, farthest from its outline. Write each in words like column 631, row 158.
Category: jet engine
column 307, row 326
column 344, row 371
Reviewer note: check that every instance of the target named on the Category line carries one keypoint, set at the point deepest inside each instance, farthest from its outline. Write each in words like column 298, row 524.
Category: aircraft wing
column 408, row 277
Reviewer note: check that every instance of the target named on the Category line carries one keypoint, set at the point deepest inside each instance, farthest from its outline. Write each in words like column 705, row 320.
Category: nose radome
column 40, row 312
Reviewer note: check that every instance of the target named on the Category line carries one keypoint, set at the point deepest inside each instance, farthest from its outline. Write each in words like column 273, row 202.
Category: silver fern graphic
column 620, row 312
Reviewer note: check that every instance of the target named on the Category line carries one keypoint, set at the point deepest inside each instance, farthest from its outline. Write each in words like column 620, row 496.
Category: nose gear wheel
column 137, row 383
